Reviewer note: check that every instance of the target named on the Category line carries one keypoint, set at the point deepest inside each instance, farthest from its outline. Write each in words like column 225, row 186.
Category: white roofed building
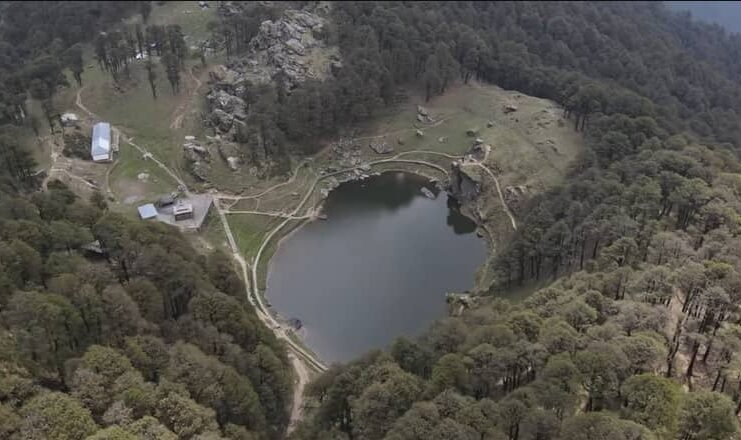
column 100, row 149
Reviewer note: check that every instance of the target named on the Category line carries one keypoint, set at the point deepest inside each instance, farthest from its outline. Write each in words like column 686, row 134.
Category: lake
column 377, row 268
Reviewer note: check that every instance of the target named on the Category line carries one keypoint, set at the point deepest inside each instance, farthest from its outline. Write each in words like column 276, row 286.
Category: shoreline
column 319, row 206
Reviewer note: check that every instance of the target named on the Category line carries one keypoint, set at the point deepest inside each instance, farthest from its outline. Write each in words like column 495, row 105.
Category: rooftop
column 101, row 143
column 147, row 211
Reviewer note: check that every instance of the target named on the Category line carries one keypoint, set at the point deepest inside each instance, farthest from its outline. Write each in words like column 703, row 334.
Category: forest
column 113, row 328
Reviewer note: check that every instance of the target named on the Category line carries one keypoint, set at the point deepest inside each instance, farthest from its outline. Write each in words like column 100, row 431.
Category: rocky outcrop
column 228, row 151
column 465, row 183
column 293, row 48
column 197, row 158
column 515, row 197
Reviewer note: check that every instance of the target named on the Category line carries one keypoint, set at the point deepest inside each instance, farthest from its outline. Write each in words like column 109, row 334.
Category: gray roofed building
column 100, row 149
column 147, row 211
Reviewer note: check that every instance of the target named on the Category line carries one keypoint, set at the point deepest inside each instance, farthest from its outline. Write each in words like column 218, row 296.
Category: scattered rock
column 509, row 108
column 472, row 132
column 190, row 138
column 233, row 163
column 143, row 177
column 429, row 194
column 419, row 133
column 489, row 124
column 422, row 111
column 400, row 141
column 478, row 141
column 442, row 139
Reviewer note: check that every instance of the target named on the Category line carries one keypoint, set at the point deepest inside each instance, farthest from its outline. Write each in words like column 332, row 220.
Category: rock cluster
column 346, row 153
column 198, row 158
column 292, row 48
column 423, row 115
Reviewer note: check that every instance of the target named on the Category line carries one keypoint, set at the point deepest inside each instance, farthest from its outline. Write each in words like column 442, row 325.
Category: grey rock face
column 464, row 186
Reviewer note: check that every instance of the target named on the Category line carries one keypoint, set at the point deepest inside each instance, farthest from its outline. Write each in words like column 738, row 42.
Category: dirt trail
column 270, row 213
column 499, row 191
column 302, row 379
column 179, row 113
column 262, row 193
column 145, row 153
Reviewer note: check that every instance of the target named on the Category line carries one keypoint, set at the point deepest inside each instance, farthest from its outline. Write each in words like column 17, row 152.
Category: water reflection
column 459, row 222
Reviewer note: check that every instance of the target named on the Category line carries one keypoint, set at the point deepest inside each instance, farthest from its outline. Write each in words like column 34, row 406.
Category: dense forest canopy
column 113, row 328
column 143, row 335
column 638, row 247
column 635, row 335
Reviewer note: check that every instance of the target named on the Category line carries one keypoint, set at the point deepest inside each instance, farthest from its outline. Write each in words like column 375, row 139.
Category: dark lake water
column 377, row 268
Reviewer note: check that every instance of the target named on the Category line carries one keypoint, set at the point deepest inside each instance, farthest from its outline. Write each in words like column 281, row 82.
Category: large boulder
column 295, row 46
column 380, row 146
column 222, row 100
column 222, row 120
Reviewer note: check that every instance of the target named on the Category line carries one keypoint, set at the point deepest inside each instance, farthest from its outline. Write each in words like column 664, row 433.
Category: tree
column 603, row 426
column 706, row 415
column 73, row 60
column 433, row 79
column 653, row 402
column 383, row 402
column 114, row 432
column 185, row 417
column 57, row 416
column 151, row 77
column 148, row 428
column 145, row 8
column 412, row 357
column 603, row 366
column 147, row 298
column 47, row 328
